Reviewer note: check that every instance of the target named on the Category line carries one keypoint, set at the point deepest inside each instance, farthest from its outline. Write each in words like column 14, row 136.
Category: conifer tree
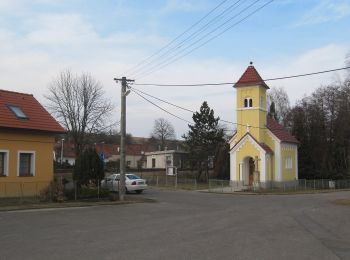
column 203, row 139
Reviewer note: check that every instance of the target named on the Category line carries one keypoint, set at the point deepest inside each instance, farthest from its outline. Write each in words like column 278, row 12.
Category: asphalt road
column 184, row 225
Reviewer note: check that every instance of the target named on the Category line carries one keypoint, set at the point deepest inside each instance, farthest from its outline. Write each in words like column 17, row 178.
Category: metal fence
column 34, row 190
column 175, row 182
column 227, row 186
column 50, row 191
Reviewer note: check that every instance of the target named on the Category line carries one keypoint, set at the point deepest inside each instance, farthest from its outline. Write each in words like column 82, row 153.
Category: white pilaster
column 233, row 166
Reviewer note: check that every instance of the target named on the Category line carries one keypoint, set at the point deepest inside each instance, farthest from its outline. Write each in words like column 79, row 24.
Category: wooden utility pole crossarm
column 123, row 95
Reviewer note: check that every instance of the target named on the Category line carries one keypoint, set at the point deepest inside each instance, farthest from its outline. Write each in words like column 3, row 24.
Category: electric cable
column 232, row 83
column 175, row 57
column 166, row 111
column 137, row 91
column 177, row 37
column 191, row 36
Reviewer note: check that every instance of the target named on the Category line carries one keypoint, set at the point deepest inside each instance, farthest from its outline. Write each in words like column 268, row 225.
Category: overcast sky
column 40, row 38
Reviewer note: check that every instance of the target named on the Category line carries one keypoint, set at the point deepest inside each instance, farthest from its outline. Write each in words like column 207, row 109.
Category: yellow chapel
column 261, row 151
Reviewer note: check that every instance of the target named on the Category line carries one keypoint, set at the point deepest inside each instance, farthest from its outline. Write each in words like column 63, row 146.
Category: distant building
column 167, row 158
column 27, row 136
column 135, row 153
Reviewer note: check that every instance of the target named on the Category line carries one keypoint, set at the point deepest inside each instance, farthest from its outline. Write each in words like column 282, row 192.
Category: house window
column 3, row 163
column 168, row 160
column 26, row 163
column 153, row 162
column 248, row 102
column 18, row 112
column 128, row 163
column 289, row 163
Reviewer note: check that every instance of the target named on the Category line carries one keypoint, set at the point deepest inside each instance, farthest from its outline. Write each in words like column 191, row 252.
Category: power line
column 166, row 111
column 177, row 37
column 232, row 83
column 191, row 36
column 137, row 91
column 176, row 57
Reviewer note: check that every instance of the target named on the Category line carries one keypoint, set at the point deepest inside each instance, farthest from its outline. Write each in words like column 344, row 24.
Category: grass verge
column 343, row 202
column 16, row 204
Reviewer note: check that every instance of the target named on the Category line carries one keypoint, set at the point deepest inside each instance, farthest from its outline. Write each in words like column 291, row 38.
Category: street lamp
column 62, row 151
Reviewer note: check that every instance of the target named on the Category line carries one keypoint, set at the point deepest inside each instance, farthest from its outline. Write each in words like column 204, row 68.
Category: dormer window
column 248, row 102
column 18, row 112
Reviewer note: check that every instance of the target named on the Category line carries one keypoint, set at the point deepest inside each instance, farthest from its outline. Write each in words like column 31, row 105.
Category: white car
column 132, row 183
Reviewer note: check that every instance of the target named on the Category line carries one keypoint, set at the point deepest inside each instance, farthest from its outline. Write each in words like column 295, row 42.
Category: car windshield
column 132, row 177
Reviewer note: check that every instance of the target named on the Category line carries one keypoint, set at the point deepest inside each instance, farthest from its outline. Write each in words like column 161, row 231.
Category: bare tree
column 78, row 103
column 278, row 98
column 347, row 63
column 163, row 131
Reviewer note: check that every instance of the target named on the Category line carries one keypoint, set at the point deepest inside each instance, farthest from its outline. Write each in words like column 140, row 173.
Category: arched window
column 248, row 102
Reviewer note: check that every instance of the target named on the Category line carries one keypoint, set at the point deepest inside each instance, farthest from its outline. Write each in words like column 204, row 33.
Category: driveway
column 184, row 225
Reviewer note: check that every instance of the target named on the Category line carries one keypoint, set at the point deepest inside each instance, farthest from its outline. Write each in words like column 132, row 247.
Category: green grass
column 183, row 186
column 7, row 204
column 344, row 202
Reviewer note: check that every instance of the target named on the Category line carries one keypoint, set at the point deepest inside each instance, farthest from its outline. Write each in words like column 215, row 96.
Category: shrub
column 54, row 192
column 87, row 193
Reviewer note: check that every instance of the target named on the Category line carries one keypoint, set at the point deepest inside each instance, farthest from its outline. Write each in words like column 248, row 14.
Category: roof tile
column 38, row 117
column 250, row 77
column 279, row 131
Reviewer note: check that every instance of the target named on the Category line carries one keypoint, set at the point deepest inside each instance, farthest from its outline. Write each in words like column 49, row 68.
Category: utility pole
column 123, row 95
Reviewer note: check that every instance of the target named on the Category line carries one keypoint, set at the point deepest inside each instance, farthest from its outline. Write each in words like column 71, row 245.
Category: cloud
column 326, row 11
column 47, row 43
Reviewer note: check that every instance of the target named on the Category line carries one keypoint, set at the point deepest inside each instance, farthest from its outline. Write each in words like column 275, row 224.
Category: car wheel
column 139, row 191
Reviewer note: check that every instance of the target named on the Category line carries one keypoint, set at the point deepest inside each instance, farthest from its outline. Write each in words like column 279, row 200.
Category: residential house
column 261, row 151
column 27, row 136
column 167, row 158
column 134, row 154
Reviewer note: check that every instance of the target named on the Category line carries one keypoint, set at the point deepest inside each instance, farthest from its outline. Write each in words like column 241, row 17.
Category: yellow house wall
column 288, row 150
column 248, row 149
column 271, row 143
column 42, row 145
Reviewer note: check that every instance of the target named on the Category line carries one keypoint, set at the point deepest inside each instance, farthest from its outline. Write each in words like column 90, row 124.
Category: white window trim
column 248, row 102
column 6, row 168
column 289, row 162
column 33, row 161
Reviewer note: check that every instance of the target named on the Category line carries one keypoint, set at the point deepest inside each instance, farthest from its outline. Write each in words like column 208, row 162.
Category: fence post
column 21, row 190
column 314, row 184
column 222, row 185
column 157, row 181
column 195, row 184
column 98, row 189
column 175, row 181
column 75, row 190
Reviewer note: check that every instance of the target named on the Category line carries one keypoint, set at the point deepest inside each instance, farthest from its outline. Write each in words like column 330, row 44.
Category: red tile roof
column 38, row 118
column 108, row 149
column 279, row 131
column 114, row 149
column 266, row 148
column 250, row 77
